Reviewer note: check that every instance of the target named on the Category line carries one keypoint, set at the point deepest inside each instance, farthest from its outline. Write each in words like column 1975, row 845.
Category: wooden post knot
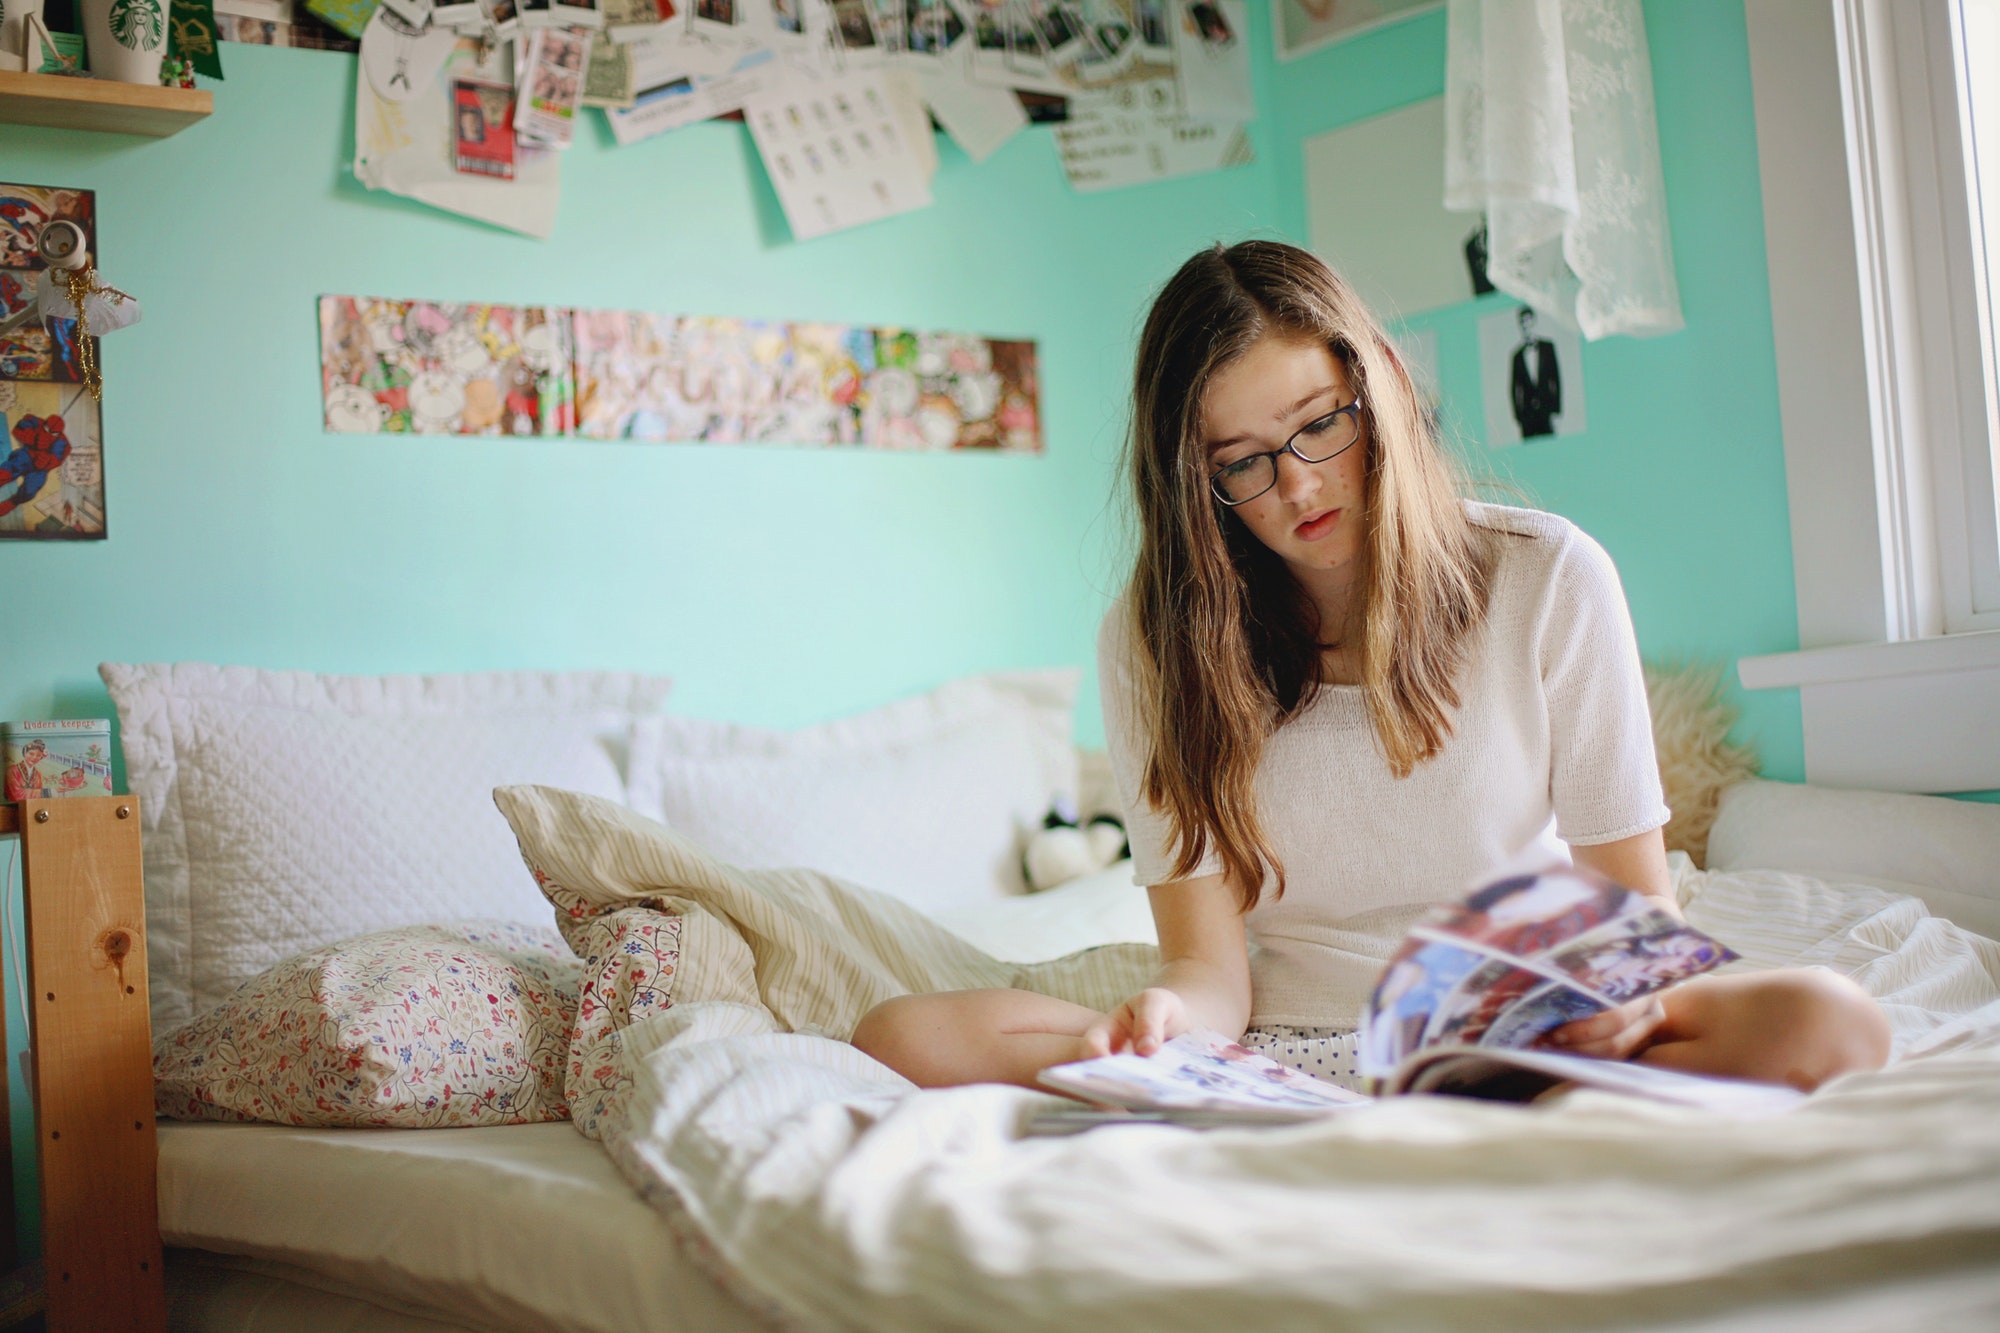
column 117, row 944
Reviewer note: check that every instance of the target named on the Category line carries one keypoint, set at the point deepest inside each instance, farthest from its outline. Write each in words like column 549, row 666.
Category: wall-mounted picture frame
column 1301, row 26
column 51, row 432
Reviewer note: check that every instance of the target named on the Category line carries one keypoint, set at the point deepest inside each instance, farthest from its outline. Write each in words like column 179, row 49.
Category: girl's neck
column 1331, row 593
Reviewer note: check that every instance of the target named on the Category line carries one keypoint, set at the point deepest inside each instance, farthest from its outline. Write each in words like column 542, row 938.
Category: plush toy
column 1064, row 850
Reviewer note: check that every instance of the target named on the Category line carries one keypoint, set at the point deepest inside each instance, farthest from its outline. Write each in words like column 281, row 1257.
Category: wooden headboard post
column 93, row 1078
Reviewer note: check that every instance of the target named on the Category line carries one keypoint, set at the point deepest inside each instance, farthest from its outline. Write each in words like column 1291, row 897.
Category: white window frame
column 1883, row 387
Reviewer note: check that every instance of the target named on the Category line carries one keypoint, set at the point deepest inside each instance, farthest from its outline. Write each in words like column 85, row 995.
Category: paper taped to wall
column 842, row 152
column 443, row 368
column 405, row 147
column 1136, row 133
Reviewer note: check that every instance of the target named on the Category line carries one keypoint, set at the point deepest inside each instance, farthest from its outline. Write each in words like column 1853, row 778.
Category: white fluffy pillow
column 283, row 810
column 1944, row 851
column 1104, row 908
column 931, row 798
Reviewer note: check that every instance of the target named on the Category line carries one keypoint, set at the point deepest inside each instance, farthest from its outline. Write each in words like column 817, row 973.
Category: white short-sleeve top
column 1552, row 745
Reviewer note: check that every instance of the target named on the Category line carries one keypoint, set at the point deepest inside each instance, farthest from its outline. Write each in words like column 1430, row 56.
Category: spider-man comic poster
column 51, row 463
column 51, row 439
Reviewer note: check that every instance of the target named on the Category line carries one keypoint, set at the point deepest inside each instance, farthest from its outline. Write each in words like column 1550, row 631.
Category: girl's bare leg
column 1801, row 1026
column 974, row 1036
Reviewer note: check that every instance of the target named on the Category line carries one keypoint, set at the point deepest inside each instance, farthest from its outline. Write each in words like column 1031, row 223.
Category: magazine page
column 1202, row 1075
column 1520, row 958
column 1521, row 1075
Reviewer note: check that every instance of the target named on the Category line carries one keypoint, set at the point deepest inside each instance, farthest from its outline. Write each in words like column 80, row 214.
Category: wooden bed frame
column 90, row 1032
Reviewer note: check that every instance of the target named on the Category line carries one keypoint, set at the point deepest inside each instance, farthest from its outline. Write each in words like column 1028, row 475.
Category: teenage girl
column 1335, row 693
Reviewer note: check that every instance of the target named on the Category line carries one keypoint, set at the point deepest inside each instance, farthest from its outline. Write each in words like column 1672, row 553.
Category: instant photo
column 482, row 129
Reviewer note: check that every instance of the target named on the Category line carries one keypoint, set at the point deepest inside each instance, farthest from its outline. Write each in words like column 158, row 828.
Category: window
column 1910, row 70
column 1878, row 127
column 1977, row 68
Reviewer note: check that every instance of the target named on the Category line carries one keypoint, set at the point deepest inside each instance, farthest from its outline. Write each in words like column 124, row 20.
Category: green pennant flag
column 191, row 33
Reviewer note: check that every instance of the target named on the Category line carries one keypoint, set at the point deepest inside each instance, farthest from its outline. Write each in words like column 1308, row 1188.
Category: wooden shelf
column 100, row 104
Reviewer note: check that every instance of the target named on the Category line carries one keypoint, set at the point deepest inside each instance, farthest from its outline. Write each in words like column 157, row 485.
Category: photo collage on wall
column 394, row 366
column 52, row 457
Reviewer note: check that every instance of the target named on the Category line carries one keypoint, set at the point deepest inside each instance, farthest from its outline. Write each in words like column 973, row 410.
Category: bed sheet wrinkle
column 829, row 1187
column 1483, row 1229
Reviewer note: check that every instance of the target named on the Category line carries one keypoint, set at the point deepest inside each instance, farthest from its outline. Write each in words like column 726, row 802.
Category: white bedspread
column 827, row 1186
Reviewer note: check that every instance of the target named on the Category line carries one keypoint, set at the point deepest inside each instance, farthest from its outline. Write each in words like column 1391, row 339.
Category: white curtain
column 1549, row 130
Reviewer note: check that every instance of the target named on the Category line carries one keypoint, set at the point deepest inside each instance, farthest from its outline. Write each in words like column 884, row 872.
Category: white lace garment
column 1549, row 129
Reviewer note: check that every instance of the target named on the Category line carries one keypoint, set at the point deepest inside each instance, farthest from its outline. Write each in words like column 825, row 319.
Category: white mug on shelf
column 127, row 38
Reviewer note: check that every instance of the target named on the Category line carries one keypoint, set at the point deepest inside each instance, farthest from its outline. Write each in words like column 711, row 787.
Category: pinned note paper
column 840, row 152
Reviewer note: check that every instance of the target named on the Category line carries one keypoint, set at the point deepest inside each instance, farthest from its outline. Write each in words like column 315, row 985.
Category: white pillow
column 282, row 811
column 1104, row 908
column 1944, row 850
column 931, row 799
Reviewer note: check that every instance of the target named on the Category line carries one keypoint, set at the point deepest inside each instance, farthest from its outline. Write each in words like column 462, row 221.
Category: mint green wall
column 783, row 585
column 778, row 585
column 1681, row 473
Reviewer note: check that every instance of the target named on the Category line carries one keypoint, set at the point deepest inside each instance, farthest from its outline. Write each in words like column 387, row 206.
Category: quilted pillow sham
column 284, row 810
column 930, row 799
column 422, row 1027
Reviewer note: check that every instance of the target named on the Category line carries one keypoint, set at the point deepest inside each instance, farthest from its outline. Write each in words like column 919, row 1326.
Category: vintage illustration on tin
column 434, row 368
column 59, row 764
column 727, row 381
column 51, row 439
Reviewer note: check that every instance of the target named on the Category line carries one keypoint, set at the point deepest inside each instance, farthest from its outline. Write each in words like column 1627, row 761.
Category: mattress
column 522, row 1227
column 273, row 1229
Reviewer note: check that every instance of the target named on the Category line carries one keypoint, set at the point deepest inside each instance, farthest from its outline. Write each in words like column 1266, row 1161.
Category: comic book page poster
column 729, row 381
column 437, row 368
column 30, row 349
column 52, row 471
column 51, row 439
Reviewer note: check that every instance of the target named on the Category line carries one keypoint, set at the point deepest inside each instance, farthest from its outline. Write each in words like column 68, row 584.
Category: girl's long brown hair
column 1228, row 641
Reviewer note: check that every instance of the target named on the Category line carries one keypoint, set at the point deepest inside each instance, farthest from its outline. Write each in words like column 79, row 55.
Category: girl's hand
column 1615, row 1034
column 1140, row 1026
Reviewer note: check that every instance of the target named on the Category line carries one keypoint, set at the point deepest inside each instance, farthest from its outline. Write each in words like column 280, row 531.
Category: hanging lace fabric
column 1549, row 131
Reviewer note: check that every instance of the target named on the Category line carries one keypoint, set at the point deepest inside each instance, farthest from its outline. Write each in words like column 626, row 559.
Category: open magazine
column 1460, row 1009
column 1198, row 1078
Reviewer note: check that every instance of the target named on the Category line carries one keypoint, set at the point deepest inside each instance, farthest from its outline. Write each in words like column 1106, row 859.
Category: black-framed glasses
column 1318, row 441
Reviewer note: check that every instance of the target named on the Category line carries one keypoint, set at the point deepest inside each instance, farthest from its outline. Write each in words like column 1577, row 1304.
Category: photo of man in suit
column 1537, row 381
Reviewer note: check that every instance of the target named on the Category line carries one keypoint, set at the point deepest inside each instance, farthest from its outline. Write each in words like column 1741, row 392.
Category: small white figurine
column 68, row 289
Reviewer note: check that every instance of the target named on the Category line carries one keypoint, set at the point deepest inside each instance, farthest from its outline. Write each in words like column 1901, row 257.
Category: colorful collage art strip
column 52, row 454
column 391, row 366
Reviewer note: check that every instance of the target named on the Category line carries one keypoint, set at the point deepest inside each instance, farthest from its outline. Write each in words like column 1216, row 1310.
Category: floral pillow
column 420, row 1027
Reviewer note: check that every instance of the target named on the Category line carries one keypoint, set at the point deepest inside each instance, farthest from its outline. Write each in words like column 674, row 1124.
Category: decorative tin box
column 67, row 758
